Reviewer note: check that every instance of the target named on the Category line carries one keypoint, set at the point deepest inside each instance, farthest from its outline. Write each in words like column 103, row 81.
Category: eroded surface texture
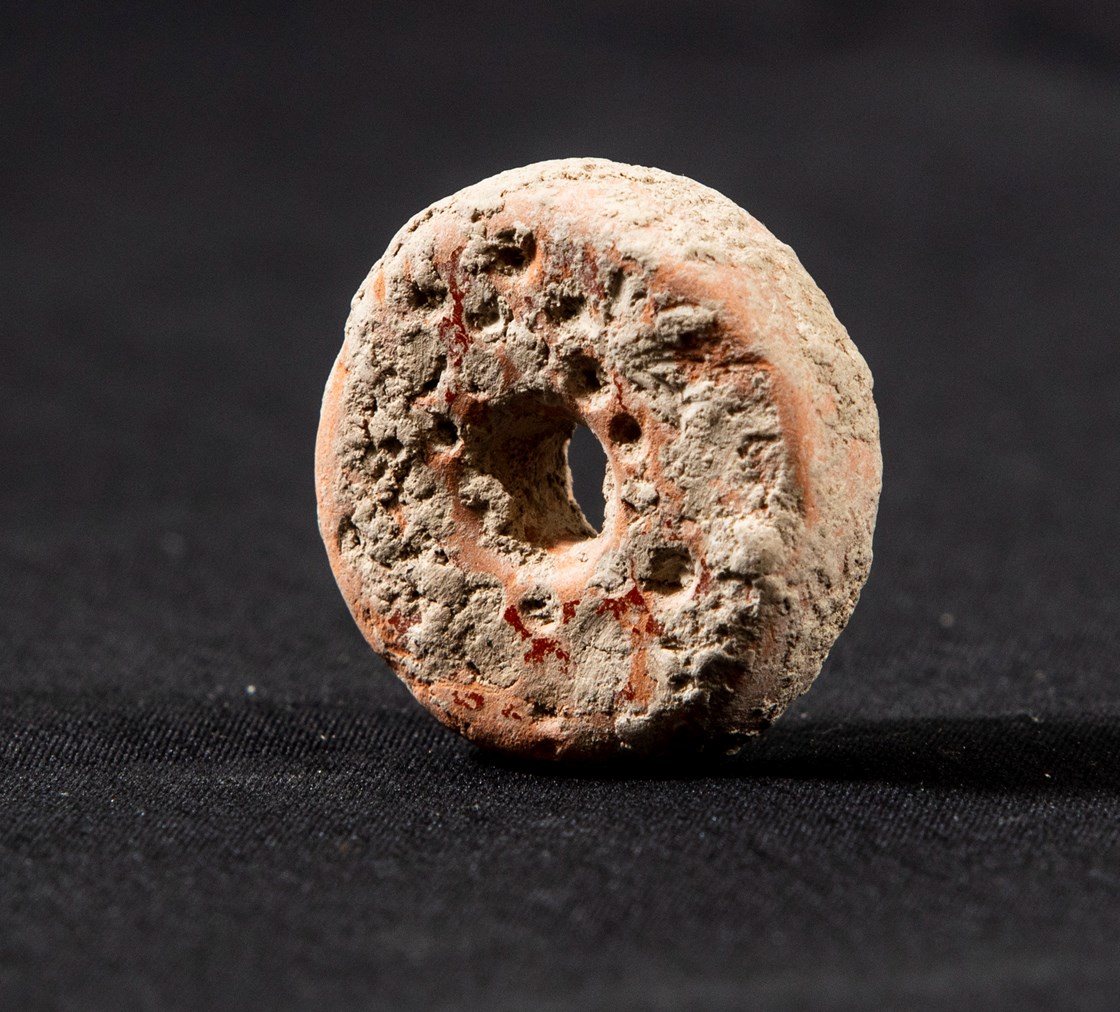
column 742, row 482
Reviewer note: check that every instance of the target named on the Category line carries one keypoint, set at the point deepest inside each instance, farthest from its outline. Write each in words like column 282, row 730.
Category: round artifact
column 743, row 464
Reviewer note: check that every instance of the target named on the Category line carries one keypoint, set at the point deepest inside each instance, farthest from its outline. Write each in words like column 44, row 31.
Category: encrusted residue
column 743, row 462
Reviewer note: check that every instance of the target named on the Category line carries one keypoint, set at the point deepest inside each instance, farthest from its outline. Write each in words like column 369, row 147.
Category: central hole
column 588, row 464
column 516, row 471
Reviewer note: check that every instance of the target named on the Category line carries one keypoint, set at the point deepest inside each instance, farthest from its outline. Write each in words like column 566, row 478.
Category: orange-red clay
column 743, row 464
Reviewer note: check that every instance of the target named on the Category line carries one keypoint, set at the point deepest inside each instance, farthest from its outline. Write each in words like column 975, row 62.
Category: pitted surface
column 743, row 454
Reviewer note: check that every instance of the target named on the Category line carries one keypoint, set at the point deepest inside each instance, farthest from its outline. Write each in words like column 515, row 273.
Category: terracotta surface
column 743, row 478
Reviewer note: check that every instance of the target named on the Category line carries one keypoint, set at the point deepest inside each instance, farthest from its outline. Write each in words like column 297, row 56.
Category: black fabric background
column 213, row 796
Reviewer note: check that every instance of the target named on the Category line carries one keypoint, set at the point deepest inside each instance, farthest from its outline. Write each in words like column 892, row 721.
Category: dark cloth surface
column 213, row 796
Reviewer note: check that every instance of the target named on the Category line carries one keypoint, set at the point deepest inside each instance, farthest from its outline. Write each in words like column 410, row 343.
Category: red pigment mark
column 473, row 701
column 452, row 328
column 450, row 395
column 619, row 606
column 618, row 390
column 402, row 624
column 511, row 616
column 569, row 610
column 511, row 713
column 590, row 275
column 542, row 647
column 615, row 605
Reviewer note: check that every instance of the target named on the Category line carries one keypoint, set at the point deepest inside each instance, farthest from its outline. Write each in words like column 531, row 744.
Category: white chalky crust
column 743, row 478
